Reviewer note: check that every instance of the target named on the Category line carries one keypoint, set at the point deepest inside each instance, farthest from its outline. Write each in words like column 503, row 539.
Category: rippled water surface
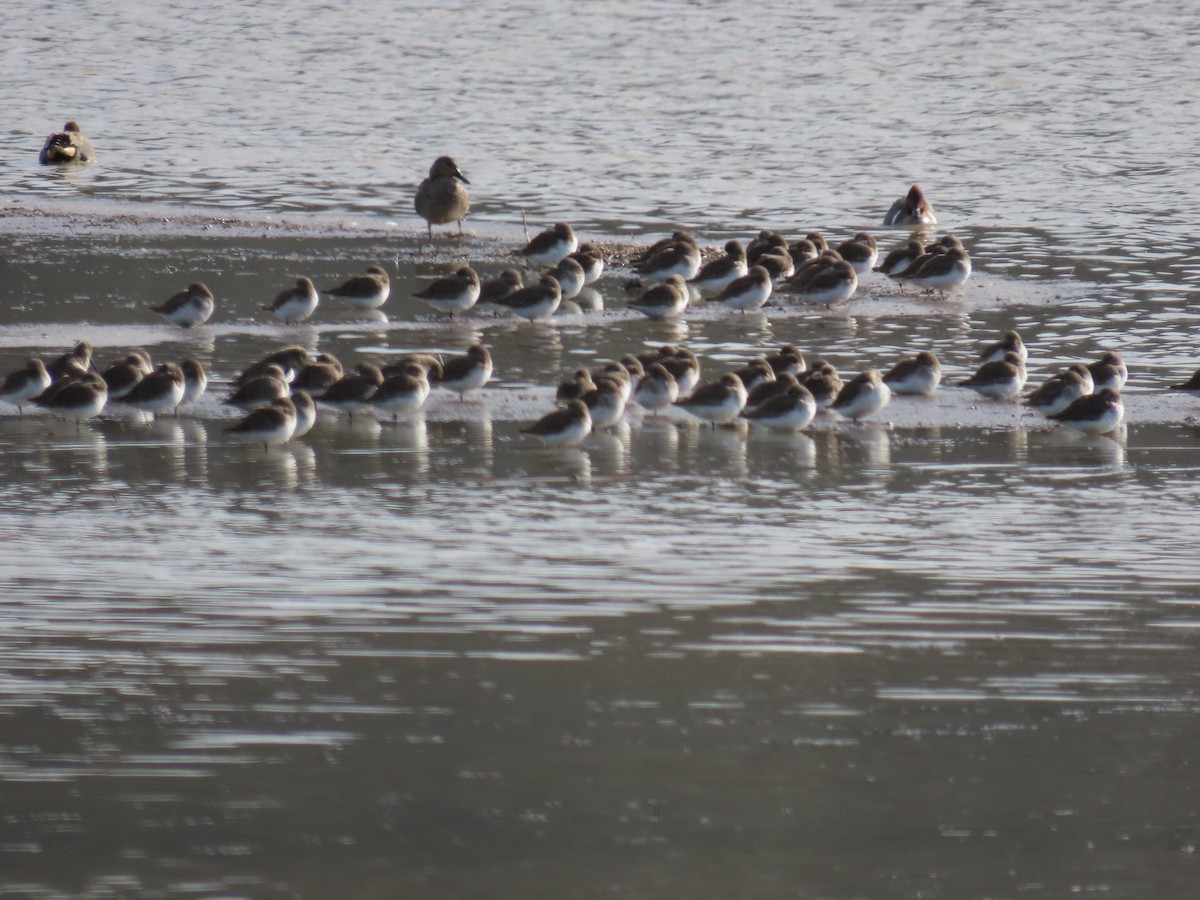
column 949, row 652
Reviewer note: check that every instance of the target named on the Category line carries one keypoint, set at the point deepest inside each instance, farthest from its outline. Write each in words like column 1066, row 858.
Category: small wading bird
column 443, row 197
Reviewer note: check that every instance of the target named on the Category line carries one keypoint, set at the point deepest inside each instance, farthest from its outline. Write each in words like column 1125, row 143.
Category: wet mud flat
column 91, row 274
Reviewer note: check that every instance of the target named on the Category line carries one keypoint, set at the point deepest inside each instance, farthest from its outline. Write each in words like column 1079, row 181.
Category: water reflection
column 408, row 443
column 553, row 463
column 1065, row 446
column 166, row 436
column 609, row 451
column 465, row 447
column 721, row 451
column 855, row 446
column 1015, row 441
column 69, row 452
column 663, row 332
column 654, row 446
column 780, row 454
column 534, row 347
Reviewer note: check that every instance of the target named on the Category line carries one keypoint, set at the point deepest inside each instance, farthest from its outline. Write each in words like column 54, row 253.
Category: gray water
column 947, row 653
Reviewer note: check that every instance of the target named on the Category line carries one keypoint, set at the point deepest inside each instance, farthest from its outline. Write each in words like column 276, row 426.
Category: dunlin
column 786, row 359
column 24, row 384
column 79, row 398
column 619, row 375
column 900, row 258
column 466, row 373
column 328, row 359
column 259, row 390
column 919, row 375
column 353, row 390
column 1010, row 343
column 718, row 402
column 574, row 387
column 504, row 285
column 306, row 413
column 811, row 267
column 749, row 292
column 122, row 376
column 268, row 425
column 537, row 301
column 1109, row 371
column 943, row 273
column 570, row 277
column 290, row 360
column 317, row 377
column 828, row 282
column 195, row 381
column 860, row 251
column 716, row 274
column 778, row 264
column 404, row 393
column 158, row 392
column 765, row 390
column 862, row 395
column 189, row 307
column 443, row 196
column 803, row 251
column 1085, row 376
column 591, row 258
column 755, row 373
column 817, row 240
column 1056, row 393
column 931, row 259
column 684, row 368
column 142, row 360
column 633, row 366
column 663, row 301
column 662, row 244
column 296, row 303
column 563, row 427
column 1097, row 413
column 681, row 257
column 656, row 390
column 430, row 362
column 1001, row 379
column 367, row 291
column 606, row 404
column 454, row 294
column 649, row 357
column 790, row 410
column 768, row 241
column 551, row 247
column 823, row 382
column 76, row 361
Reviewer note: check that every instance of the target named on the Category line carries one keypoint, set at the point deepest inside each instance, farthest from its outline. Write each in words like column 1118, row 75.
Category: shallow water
column 948, row 653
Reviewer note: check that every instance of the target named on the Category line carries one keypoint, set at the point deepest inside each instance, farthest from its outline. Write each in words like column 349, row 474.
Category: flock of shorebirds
column 672, row 272
column 668, row 276
column 280, row 393
column 783, row 391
